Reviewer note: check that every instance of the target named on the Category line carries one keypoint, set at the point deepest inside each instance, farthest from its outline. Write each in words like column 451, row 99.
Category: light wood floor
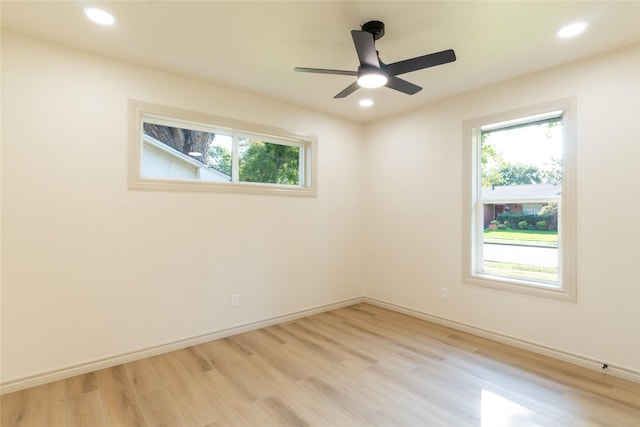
column 356, row 366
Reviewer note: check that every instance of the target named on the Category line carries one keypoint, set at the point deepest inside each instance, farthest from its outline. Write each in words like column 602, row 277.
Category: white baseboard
column 586, row 362
column 70, row 371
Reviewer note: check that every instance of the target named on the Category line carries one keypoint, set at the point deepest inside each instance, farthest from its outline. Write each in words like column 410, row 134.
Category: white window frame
column 472, row 213
column 140, row 112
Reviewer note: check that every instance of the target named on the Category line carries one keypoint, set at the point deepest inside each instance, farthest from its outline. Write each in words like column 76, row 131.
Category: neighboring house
column 161, row 161
column 529, row 198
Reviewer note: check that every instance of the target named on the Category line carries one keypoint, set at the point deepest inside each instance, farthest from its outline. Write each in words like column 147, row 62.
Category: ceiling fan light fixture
column 372, row 79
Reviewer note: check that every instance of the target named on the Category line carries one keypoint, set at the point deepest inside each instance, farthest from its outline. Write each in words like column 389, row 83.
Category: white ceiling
column 254, row 46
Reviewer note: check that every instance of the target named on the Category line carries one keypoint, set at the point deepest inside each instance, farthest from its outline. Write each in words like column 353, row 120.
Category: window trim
column 567, row 214
column 138, row 110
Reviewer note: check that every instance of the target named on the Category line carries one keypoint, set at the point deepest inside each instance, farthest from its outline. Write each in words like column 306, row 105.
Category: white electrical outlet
column 444, row 293
column 235, row 300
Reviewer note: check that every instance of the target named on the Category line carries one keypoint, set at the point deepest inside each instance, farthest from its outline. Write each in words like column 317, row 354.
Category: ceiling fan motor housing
column 376, row 28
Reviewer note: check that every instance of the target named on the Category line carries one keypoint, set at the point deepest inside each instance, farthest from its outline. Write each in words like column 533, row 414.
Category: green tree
column 552, row 125
column 552, row 174
column 489, row 152
column 269, row 163
column 489, row 158
column 220, row 159
column 519, row 174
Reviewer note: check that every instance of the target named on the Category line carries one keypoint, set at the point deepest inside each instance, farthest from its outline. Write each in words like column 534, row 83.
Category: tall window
column 176, row 150
column 520, row 201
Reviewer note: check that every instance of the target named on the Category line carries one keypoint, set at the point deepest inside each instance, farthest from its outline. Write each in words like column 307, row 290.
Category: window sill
column 152, row 184
column 537, row 289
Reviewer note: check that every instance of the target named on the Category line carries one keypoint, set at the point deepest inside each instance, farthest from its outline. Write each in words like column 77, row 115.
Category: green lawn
column 522, row 237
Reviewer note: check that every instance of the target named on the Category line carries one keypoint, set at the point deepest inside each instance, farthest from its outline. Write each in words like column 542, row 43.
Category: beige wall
column 91, row 270
column 414, row 228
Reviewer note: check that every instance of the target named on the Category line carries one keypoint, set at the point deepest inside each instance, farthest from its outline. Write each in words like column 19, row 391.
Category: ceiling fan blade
column 325, row 71
column 366, row 48
column 348, row 90
column 402, row 85
column 421, row 62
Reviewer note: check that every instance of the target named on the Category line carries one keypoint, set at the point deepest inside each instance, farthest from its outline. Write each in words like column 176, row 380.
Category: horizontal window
column 177, row 150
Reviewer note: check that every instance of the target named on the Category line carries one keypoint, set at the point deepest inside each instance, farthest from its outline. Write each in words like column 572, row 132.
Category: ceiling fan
column 373, row 73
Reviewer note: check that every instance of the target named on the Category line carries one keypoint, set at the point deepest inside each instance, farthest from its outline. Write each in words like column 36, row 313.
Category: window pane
column 172, row 152
column 220, row 154
column 513, row 247
column 523, row 155
column 267, row 162
column 521, row 171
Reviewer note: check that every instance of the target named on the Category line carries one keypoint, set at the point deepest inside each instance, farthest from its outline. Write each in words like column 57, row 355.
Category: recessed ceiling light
column 366, row 103
column 572, row 30
column 99, row 16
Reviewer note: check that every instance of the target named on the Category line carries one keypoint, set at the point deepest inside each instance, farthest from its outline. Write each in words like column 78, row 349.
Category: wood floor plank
column 41, row 405
column 120, row 401
column 11, row 406
column 280, row 413
column 192, row 360
column 56, row 394
column 302, row 337
column 186, row 393
column 86, row 410
column 326, row 339
column 161, row 410
column 234, row 364
column 327, row 401
column 360, row 365
column 142, row 376
column 272, row 354
column 81, row 384
column 218, row 397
